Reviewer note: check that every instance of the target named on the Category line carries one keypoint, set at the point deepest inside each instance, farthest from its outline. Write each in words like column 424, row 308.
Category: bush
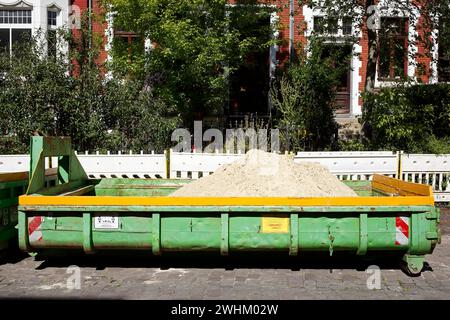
column 139, row 120
column 438, row 96
column 437, row 145
column 412, row 118
column 39, row 96
column 354, row 144
column 304, row 100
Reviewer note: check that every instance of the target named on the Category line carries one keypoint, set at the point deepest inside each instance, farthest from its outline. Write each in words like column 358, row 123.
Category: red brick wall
column 98, row 26
column 284, row 19
column 282, row 5
column 423, row 58
column 364, row 43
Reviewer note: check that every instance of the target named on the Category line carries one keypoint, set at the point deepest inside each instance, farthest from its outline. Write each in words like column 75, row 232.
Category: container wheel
column 411, row 268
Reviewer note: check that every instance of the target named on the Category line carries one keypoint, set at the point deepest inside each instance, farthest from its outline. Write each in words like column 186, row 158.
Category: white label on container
column 106, row 222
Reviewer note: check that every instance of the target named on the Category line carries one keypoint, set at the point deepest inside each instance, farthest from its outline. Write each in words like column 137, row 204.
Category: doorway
column 249, row 84
column 343, row 54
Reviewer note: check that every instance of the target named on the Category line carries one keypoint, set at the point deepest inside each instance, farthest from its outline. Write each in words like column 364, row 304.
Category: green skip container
column 81, row 214
column 12, row 185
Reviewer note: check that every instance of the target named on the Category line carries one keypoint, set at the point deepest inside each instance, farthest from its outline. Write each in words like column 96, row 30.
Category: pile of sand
column 263, row 174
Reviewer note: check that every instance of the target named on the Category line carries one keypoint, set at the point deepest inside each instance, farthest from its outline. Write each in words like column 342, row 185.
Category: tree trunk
column 372, row 50
column 371, row 68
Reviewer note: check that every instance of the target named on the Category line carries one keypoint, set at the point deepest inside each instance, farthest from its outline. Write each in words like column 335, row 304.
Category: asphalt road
column 211, row 277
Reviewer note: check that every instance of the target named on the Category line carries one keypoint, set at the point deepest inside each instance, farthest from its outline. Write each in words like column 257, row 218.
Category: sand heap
column 263, row 174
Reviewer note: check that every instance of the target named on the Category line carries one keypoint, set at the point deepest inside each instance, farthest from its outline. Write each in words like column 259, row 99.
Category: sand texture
column 263, row 174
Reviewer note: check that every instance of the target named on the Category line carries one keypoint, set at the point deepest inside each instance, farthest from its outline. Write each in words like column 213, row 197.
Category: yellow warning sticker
column 274, row 225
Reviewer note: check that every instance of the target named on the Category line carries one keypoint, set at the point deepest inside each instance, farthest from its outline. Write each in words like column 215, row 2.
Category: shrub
column 39, row 95
column 406, row 118
column 304, row 100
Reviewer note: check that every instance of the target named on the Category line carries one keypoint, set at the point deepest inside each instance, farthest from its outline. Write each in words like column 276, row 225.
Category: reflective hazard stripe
column 34, row 228
column 401, row 231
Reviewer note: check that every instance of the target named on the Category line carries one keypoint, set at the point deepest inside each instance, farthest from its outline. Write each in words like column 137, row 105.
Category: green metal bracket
column 432, row 235
column 399, row 172
column 363, row 237
column 167, row 153
column 156, row 234
column 88, row 246
column 24, row 243
column 294, row 229
column 438, row 214
column 414, row 263
column 433, row 214
column 69, row 168
column 331, row 238
column 414, row 234
column 224, row 243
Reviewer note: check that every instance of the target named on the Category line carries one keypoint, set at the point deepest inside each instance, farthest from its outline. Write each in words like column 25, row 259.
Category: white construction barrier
column 186, row 165
column 144, row 166
column 21, row 163
column 354, row 165
column 139, row 166
column 428, row 169
column 422, row 168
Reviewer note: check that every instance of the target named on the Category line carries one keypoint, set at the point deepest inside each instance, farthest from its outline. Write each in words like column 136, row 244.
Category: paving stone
column 38, row 279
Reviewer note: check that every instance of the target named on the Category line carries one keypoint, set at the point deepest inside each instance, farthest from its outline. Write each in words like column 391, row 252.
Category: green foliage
column 438, row 96
column 436, row 145
column 197, row 45
column 412, row 119
column 354, row 144
column 304, row 98
column 434, row 15
column 39, row 96
column 34, row 92
column 138, row 120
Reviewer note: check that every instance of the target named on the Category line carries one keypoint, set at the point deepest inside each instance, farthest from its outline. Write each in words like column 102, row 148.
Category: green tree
column 138, row 119
column 364, row 15
column 69, row 96
column 39, row 96
column 304, row 97
column 197, row 45
column 413, row 119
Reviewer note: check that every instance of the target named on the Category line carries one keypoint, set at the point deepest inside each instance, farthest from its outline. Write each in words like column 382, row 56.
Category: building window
column 330, row 26
column 127, row 43
column 51, row 17
column 393, row 60
column 11, row 38
column 319, row 23
column 19, row 36
column 444, row 51
column 4, row 40
column 15, row 16
column 51, row 43
column 347, row 26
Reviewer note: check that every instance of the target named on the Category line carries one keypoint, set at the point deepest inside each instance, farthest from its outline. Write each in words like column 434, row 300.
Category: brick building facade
column 297, row 24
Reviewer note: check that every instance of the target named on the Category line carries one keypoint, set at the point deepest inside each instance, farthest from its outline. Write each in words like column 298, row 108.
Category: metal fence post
column 167, row 154
column 399, row 165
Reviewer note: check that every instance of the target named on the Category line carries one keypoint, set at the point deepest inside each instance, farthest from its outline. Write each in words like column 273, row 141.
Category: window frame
column 337, row 22
column 443, row 62
column 11, row 38
column 49, row 19
column 16, row 16
column 393, row 40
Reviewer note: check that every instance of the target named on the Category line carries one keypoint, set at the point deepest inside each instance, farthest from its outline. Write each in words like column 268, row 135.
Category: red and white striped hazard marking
column 34, row 228
column 401, row 231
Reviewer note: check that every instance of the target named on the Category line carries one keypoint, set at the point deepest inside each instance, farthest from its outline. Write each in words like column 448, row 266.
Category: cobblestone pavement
column 206, row 277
